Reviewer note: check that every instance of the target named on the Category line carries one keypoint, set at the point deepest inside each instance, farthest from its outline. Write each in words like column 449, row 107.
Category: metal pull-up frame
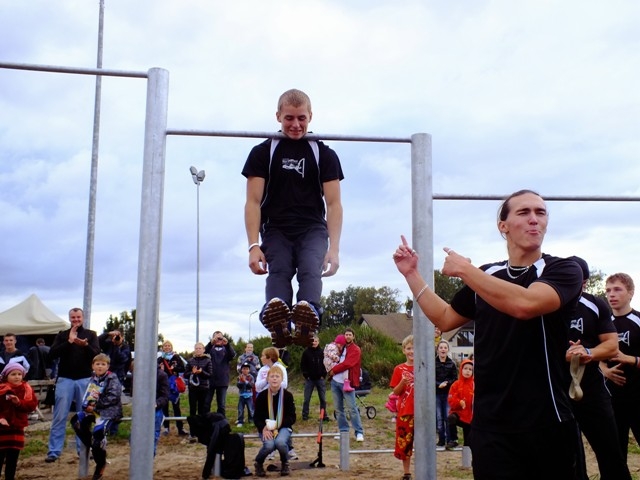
column 149, row 257
column 150, row 246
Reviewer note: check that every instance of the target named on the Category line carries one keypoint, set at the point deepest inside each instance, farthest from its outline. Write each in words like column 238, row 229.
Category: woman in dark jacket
column 198, row 373
column 446, row 374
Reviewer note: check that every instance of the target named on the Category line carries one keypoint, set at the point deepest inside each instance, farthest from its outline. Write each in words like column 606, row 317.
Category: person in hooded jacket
column 461, row 405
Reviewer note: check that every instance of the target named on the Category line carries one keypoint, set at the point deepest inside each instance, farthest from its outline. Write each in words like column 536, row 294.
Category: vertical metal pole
column 198, row 263
column 93, row 182
column 148, row 301
column 423, row 331
column 344, row 451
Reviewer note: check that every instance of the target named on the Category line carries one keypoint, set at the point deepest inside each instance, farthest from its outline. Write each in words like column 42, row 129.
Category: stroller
column 361, row 392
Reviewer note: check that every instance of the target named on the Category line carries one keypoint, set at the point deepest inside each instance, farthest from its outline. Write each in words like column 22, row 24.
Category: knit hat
column 10, row 367
column 341, row 339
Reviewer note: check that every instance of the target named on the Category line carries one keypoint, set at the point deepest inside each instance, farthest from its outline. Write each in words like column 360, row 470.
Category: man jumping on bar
column 291, row 183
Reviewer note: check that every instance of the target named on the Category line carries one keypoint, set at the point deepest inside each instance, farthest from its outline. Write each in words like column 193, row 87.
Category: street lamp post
column 251, row 315
column 198, row 177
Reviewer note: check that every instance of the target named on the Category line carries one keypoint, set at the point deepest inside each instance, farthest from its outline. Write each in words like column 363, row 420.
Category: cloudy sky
column 529, row 94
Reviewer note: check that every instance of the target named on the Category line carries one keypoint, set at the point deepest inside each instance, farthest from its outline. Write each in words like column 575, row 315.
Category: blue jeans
column 67, row 391
column 280, row 443
column 442, row 413
column 300, row 256
column 338, row 402
column 158, row 428
column 221, row 399
column 248, row 402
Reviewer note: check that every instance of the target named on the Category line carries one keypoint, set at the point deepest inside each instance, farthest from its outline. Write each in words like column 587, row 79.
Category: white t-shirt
column 262, row 382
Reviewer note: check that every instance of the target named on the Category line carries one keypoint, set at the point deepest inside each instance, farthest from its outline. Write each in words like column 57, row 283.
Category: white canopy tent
column 31, row 317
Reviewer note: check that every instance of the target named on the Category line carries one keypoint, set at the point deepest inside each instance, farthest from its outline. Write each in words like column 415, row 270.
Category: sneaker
column 451, row 445
column 306, row 320
column 259, row 467
column 239, row 425
column 275, row 318
column 440, row 444
column 165, row 431
column 359, row 437
column 50, row 458
column 293, row 455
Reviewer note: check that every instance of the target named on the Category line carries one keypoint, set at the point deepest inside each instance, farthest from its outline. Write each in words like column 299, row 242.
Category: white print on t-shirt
column 623, row 337
column 577, row 324
column 293, row 164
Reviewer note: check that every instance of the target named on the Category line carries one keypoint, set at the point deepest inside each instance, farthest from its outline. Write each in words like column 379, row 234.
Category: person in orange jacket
column 461, row 405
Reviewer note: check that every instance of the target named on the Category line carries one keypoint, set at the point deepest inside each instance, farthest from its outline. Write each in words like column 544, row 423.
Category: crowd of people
column 90, row 371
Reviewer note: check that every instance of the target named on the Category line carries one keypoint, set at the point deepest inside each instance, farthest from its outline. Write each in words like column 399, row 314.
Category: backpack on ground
column 233, row 463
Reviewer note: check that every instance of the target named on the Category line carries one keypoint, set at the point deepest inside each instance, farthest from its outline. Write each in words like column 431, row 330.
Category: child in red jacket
column 461, row 404
column 17, row 401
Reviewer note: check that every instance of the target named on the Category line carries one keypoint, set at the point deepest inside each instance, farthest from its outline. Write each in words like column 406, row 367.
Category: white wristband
column 422, row 290
column 253, row 245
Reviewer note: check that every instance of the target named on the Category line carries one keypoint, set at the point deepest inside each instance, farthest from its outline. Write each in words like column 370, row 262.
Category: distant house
column 398, row 325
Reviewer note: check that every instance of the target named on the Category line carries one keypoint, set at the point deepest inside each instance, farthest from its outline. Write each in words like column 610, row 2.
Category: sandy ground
column 177, row 458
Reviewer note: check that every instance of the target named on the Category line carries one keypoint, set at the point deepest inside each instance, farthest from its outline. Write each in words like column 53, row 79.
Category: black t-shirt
column 293, row 196
column 520, row 370
column 628, row 327
column 592, row 319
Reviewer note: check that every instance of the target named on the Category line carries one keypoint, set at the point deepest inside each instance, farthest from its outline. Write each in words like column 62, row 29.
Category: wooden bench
column 40, row 389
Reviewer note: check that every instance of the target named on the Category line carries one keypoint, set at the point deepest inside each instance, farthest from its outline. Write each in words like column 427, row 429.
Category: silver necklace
column 519, row 271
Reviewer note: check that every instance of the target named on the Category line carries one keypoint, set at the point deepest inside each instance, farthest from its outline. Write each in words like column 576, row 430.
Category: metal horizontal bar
column 82, row 71
column 309, row 136
column 560, row 198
